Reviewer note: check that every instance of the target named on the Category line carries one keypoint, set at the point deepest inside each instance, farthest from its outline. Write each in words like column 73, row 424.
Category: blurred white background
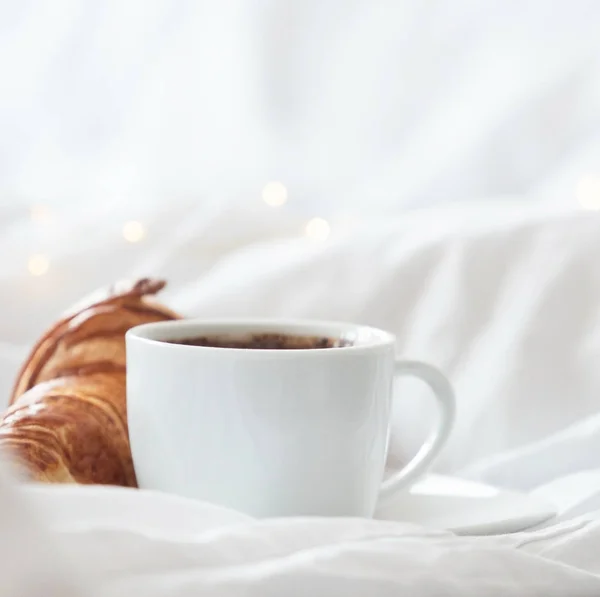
column 353, row 105
column 160, row 136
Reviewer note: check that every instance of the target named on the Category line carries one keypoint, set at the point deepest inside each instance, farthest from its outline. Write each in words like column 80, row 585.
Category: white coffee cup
column 272, row 432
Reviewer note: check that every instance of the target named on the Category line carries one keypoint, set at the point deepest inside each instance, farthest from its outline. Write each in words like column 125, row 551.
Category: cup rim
column 162, row 333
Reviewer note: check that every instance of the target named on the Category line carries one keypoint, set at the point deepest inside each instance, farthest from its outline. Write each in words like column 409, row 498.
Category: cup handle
column 442, row 390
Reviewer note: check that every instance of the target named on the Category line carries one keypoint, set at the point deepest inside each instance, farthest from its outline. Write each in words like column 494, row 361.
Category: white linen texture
column 506, row 302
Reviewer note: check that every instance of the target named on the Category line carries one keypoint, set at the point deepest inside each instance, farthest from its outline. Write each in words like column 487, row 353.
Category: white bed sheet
column 505, row 301
column 303, row 557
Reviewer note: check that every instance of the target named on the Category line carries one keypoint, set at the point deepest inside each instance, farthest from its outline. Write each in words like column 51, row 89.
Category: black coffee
column 266, row 341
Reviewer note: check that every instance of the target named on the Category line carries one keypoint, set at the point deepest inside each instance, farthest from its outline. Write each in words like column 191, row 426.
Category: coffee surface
column 264, row 341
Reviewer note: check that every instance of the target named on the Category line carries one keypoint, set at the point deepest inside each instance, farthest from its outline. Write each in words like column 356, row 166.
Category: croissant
column 67, row 418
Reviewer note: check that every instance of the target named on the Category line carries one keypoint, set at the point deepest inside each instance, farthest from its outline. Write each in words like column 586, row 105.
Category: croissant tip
column 146, row 286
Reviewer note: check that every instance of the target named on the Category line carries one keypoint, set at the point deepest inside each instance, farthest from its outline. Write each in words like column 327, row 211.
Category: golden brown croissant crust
column 68, row 421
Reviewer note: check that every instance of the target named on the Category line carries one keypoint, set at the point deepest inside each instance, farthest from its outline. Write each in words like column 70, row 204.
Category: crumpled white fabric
column 506, row 302
column 346, row 557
